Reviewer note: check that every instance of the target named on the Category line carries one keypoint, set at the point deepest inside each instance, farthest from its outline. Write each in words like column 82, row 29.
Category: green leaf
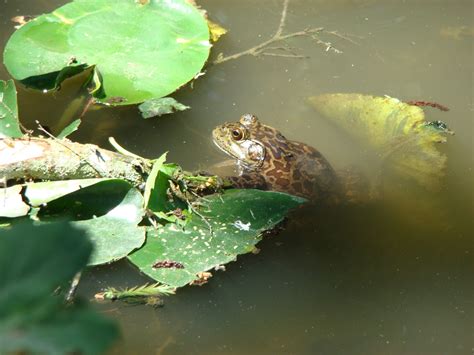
column 41, row 193
column 398, row 132
column 151, row 199
column 237, row 219
column 81, row 199
column 116, row 234
column 161, row 106
column 9, row 124
column 141, row 51
column 32, row 320
column 110, row 211
column 72, row 127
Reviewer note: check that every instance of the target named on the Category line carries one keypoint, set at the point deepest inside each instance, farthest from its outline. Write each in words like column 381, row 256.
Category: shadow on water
column 393, row 277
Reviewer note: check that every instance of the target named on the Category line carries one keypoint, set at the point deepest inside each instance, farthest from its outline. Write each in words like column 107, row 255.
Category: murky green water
column 391, row 278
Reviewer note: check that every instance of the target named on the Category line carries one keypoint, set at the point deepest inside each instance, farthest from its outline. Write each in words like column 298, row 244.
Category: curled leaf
column 397, row 131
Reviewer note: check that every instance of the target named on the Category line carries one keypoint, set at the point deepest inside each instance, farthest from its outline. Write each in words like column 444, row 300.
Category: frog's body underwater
column 268, row 161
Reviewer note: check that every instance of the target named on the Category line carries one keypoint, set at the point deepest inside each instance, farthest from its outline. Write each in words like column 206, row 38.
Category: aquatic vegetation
column 34, row 261
column 404, row 140
column 135, row 52
column 173, row 225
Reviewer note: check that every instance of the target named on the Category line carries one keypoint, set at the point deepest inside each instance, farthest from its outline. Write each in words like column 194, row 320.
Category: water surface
column 394, row 277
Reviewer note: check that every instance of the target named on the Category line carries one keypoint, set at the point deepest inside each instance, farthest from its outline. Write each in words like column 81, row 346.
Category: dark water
column 394, row 277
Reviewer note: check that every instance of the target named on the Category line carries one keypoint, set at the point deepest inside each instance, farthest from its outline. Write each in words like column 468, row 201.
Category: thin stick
column 74, row 284
column 282, row 19
column 262, row 48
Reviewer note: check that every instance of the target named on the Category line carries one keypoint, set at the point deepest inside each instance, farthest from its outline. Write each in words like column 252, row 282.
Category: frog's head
column 241, row 141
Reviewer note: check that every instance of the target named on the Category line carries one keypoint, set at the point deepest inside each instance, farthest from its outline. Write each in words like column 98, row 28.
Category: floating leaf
column 161, row 106
column 396, row 130
column 231, row 224
column 32, row 320
column 108, row 209
column 138, row 51
column 72, row 127
column 40, row 193
column 9, row 124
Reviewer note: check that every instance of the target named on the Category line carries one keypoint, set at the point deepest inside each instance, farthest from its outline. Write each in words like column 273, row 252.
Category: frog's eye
column 237, row 134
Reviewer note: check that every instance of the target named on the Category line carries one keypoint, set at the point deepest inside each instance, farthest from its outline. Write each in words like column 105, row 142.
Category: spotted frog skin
column 268, row 161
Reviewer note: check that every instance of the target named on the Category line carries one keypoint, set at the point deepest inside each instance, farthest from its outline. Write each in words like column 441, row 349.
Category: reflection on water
column 391, row 278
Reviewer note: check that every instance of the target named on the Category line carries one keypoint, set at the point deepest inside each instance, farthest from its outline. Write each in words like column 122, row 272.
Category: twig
column 282, row 19
column 74, row 284
column 262, row 48
column 345, row 36
column 268, row 54
column 88, row 104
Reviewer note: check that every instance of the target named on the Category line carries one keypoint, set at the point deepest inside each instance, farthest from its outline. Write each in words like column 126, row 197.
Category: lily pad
column 397, row 131
column 230, row 224
column 32, row 319
column 9, row 124
column 140, row 51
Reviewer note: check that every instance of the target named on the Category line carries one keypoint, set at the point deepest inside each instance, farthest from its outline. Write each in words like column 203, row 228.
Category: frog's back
column 301, row 170
column 312, row 175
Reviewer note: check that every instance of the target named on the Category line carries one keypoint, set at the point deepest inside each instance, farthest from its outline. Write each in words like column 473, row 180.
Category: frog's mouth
column 247, row 153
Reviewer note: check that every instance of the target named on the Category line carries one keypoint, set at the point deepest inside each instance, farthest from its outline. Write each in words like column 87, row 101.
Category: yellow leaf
column 397, row 131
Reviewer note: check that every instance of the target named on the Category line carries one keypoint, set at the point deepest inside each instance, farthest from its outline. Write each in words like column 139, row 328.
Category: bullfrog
column 267, row 160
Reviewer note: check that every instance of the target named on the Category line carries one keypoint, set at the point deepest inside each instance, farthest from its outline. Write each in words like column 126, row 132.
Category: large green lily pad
column 140, row 51
column 235, row 222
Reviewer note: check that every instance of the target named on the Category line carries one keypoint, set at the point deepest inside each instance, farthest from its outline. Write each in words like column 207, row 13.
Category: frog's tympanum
column 267, row 160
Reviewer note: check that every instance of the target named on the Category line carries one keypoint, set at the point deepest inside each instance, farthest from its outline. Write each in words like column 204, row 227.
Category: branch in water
column 263, row 48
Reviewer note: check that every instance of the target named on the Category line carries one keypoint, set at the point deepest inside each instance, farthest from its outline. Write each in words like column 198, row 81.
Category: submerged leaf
column 228, row 225
column 396, row 130
column 216, row 30
column 161, row 106
column 9, row 124
column 140, row 51
column 153, row 290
